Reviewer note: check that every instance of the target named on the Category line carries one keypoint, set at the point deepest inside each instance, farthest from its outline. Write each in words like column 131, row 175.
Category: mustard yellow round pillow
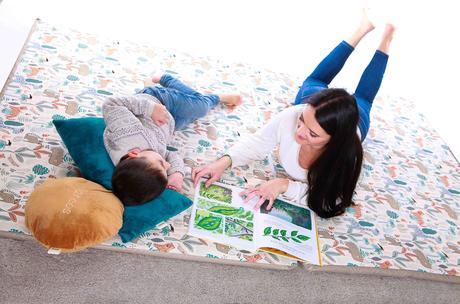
column 72, row 213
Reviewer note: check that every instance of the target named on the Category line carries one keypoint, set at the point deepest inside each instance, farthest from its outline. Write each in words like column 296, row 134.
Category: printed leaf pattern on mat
column 408, row 200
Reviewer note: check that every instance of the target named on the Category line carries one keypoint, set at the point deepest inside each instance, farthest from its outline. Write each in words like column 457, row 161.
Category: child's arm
column 176, row 162
column 121, row 112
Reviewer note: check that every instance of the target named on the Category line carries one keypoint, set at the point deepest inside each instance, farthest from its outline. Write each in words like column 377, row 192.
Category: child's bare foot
column 156, row 78
column 387, row 37
column 231, row 100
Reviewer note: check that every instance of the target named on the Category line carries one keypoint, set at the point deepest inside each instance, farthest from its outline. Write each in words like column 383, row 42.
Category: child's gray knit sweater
column 129, row 125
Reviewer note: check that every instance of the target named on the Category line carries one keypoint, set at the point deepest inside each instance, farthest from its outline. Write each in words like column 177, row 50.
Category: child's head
column 139, row 177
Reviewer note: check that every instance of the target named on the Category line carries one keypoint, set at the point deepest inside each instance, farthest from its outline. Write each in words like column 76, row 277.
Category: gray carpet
column 29, row 275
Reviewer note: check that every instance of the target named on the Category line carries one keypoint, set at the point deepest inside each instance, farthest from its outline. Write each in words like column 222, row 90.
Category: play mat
column 408, row 199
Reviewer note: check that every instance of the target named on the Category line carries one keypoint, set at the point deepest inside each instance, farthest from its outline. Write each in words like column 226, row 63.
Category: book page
column 288, row 228
column 220, row 215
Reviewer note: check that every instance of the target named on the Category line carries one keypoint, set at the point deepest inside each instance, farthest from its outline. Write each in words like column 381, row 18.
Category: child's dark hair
column 135, row 181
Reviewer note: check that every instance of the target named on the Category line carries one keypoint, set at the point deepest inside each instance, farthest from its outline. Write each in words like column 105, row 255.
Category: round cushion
column 72, row 213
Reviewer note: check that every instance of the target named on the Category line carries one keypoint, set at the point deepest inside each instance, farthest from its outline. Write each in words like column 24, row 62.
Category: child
column 138, row 129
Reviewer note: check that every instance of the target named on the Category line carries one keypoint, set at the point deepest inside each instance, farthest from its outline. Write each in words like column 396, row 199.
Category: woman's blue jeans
column 366, row 90
column 184, row 103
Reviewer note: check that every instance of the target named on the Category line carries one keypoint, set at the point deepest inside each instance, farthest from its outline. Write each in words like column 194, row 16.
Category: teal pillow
column 83, row 138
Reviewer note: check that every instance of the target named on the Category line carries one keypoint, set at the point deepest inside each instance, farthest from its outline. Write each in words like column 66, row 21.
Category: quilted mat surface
column 408, row 198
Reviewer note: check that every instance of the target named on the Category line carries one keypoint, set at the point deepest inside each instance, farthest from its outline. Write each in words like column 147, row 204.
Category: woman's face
column 309, row 132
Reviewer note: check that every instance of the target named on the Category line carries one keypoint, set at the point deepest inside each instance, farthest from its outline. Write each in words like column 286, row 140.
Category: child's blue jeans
column 366, row 90
column 184, row 103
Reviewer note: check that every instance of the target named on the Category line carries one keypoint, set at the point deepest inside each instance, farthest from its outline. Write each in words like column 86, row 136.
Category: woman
column 319, row 138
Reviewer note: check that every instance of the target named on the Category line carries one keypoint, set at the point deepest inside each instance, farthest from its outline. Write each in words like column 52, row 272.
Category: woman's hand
column 160, row 115
column 175, row 181
column 213, row 170
column 267, row 191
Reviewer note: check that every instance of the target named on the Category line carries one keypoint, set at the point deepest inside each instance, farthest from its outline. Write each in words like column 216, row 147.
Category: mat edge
column 21, row 52
column 359, row 270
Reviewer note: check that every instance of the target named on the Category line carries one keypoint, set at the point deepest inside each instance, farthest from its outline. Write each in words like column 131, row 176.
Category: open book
column 220, row 215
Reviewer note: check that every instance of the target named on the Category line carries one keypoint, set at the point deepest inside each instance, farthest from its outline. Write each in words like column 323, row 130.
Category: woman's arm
column 254, row 147
column 258, row 145
column 213, row 170
column 270, row 190
column 296, row 190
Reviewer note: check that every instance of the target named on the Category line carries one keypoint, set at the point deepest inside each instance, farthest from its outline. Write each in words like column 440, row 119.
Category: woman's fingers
column 270, row 204
column 195, row 170
column 197, row 174
column 212, row 179
column 250, row 196
column 246, row 191
column 259, row 203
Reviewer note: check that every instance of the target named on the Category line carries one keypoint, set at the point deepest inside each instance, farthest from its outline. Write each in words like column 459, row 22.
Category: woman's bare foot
column 231, row 100
column 365, row 26
column 386, row 38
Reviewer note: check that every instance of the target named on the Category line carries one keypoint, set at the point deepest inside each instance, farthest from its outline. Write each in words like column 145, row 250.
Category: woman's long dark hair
column 333, row 176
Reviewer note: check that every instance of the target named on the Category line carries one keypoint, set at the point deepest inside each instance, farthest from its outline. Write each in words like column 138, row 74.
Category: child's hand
column 175, row 182
column 160, row 115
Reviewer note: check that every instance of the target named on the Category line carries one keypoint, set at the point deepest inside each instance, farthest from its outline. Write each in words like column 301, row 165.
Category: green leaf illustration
column 365, row 224
column 248, row 215
column 267, row 230
column 12, row 123
column 428, row 231
column 225, row 210
column 204, row 143
column 216, row 193
column 40, row 170
column 303, row 237
column 103, row 92
column 241, row 211
column 281, row 234
column 210, row 223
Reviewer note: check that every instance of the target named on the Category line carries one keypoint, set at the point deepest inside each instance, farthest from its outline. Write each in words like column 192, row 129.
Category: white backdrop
column 288, row 36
